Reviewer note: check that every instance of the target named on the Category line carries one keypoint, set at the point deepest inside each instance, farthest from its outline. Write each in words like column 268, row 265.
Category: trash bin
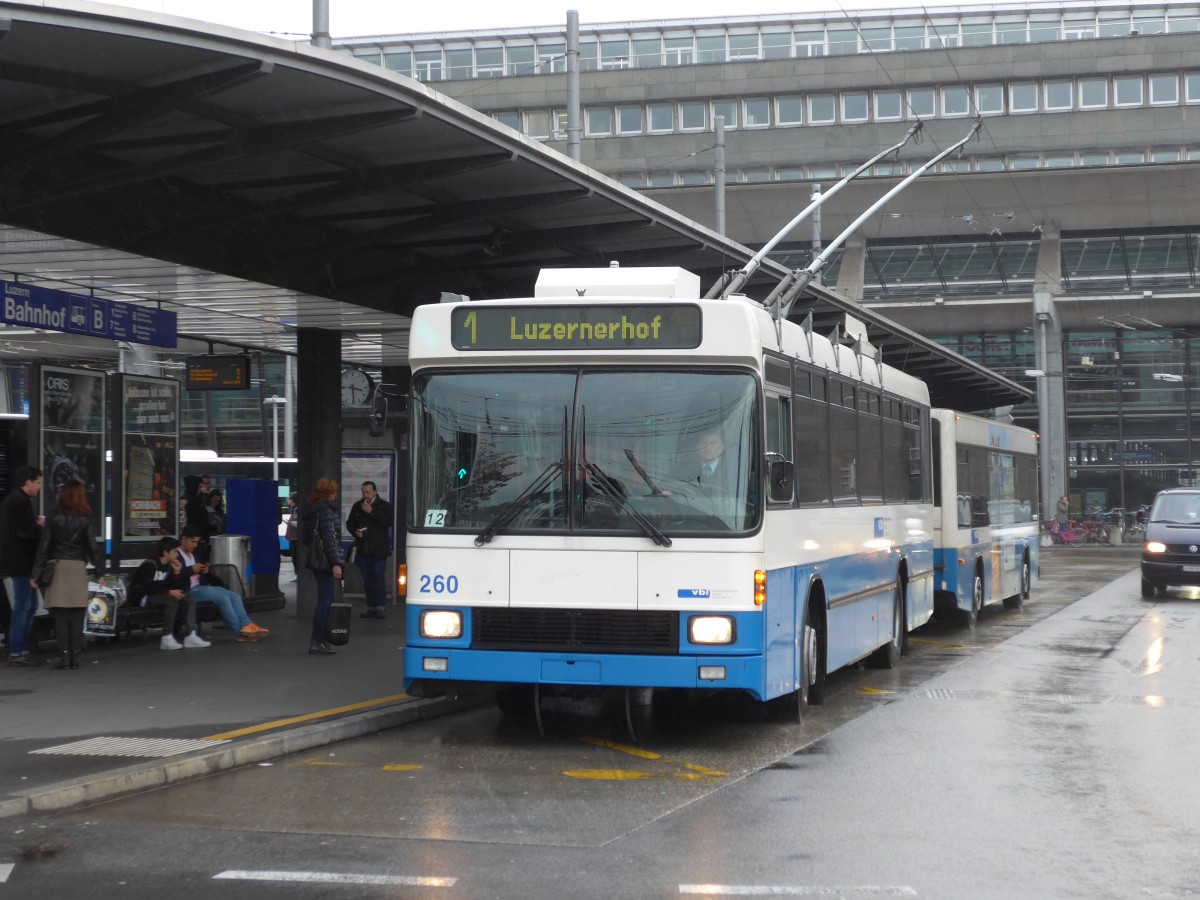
column 231, row 550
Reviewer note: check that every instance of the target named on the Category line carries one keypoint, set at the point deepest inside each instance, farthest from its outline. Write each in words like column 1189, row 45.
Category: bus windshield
column 652, row 453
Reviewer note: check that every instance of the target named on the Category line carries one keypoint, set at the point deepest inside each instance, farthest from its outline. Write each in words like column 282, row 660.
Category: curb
column 89, row 789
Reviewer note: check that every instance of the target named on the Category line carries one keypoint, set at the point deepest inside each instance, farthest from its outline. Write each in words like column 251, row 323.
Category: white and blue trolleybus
column 986, row 522
column 618, row 485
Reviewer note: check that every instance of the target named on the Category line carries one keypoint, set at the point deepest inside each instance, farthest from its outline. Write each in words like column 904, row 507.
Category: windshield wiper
column 510, row 510
column 637, row 467
column 600, row 480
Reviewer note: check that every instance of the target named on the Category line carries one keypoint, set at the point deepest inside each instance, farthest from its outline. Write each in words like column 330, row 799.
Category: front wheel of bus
column 970, row 617
column 888, row 656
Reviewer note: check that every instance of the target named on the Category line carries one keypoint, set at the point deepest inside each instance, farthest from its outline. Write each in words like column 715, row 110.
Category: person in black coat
column 320, row 522
column 20, row 533
column 161, row 580
column 370, row 522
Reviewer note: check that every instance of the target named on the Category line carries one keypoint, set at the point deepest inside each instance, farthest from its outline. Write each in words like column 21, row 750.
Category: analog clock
column 356, row 387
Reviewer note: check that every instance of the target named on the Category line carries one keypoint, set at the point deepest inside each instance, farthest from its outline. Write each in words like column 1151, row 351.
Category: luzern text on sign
column 39, row 307
column 627, row 327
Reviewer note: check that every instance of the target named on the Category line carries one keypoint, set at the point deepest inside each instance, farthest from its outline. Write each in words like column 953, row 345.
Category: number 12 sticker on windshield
column 435, row 518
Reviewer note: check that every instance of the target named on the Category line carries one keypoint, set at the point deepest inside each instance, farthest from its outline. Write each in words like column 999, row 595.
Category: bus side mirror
column 782, row 475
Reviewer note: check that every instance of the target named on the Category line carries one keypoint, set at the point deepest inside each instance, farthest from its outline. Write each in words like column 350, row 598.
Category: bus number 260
column 439, row 584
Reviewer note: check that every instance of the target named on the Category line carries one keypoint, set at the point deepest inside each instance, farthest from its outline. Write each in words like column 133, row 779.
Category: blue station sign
column 39, row 307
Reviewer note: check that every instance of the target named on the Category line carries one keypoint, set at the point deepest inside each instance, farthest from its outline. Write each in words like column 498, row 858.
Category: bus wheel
column 970, row 617
column 888, row 656
column 1016, row 601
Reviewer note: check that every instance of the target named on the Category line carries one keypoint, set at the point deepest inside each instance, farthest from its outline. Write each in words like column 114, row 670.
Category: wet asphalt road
column 1049, row 754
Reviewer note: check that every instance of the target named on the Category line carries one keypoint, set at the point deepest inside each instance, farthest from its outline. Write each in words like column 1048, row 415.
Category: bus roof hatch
column 644, row 281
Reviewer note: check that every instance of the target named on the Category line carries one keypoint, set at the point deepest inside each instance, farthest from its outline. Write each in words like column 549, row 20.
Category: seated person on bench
column 161, row 580
column 206, row 587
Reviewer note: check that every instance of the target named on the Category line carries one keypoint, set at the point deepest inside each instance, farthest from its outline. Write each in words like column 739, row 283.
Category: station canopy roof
column 255, row 186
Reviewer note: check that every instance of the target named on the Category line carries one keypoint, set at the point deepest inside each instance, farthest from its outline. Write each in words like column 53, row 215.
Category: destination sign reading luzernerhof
column 38, row 307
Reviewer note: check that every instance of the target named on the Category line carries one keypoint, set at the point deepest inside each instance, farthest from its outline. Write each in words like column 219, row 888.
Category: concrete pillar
column 852, row 273
column 319, row 431
column 1052, row 389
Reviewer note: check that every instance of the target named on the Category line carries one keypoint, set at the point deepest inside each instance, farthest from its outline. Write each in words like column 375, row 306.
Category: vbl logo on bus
column 693, row 593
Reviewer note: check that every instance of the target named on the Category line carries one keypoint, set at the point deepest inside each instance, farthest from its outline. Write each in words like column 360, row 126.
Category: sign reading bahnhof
column 624, row 327
column 40, row 307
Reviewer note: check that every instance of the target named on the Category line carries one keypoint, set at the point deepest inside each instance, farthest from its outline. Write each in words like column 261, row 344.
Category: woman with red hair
column 69, row 542
column 320, row 522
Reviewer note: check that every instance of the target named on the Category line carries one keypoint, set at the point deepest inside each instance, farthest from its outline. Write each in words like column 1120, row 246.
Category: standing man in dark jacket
column 20, row 533
column 370, row 522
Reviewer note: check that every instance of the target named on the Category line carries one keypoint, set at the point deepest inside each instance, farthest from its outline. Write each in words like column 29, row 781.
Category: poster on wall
column 358, row 466
column 149, row 458
column 71, row 403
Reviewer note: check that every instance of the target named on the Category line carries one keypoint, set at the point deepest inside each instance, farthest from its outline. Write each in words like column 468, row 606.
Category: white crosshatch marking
column 5, row 871
column 127, row 746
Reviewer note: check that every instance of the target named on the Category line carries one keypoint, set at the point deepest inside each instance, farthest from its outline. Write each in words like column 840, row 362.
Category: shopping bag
column 337, row 628
column 101, row 617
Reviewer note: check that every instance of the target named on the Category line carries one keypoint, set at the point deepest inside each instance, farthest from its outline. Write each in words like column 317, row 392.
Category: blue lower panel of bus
column 999, row 563
column 741, row 663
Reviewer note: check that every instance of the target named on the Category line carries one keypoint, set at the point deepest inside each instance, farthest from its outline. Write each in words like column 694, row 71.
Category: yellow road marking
column 947, row 644
column 703, row 771
column 873, row 692
column 309, row 717
column 607, row 774
column 632, row 751
column 402, row 767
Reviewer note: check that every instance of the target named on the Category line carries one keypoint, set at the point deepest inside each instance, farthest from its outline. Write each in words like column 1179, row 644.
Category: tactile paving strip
column 129, row 746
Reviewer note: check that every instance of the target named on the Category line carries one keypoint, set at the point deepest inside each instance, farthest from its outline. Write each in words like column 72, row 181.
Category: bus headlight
column 441, row 623
column 710, row 630
column 1154, row 547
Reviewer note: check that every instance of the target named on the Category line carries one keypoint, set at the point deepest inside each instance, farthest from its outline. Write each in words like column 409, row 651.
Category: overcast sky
column 348, row 18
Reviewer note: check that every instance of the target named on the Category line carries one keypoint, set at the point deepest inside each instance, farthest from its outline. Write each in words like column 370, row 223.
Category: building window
column 662, row 117
column 1192, row 83
column 551, row 57
column 989, row 164
column 777, row 45
column 1057, row 95
column 691, row 116
column 790, row 174
column 1025, row 162
column 537, row 123
column 710, row 49
column 1012, row 32
column 1093, row 159
column 629, row 119
column 1044, row 30
column 743, row 47
column 599, row 120
column 399, row 61
column 910, row 37
column 955, row 101
column 511, row 119
column 1131, row 158
column 758, row 175
column 877, row 38
column 887, row 105
column 854, row 107
column 1111, row 26
column 789, row 110
column 943, row 34
column 820, row 109
column 727, row 109
column 976, row 34
column 920, row 103
column 631, row 181
column 458, row 64
column 1093, row 93
column 1164, row 156
column 1059, row 160
column 647, row 52
column 520, row 60
column 1079, row 29
column 1023, row 97
column 614, row 54
column 989, row 99
column 842, row 41
column 757, row 112
column 369, row 55
column 429, row 65
column 589, row 56
column 489, row 62
column 1127, row 91
column 1149, row 25
column 1164, row 90
column 680, row 51
column 810, row 43
column 662, row 181
column 693, row 178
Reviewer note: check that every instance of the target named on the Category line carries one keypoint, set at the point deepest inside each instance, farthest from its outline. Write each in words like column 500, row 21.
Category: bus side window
column 813, row 483
column 779, row 446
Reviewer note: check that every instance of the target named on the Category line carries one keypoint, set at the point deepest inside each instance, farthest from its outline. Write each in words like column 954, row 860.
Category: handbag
column 337, row 626
column 47, row 575
column 316, row 558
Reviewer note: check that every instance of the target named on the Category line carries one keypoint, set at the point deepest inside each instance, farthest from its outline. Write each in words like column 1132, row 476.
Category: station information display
column 225, row 372
column 640, row 326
